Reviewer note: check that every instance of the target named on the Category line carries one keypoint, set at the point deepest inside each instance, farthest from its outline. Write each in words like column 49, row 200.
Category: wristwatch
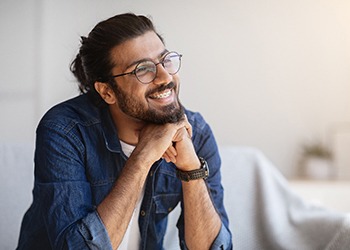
column 201, row 173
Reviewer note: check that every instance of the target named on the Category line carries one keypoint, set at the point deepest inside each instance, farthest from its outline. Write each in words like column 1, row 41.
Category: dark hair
column 93, row 62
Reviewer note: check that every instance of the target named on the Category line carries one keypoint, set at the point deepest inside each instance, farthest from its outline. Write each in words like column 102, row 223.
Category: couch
column 264, row 212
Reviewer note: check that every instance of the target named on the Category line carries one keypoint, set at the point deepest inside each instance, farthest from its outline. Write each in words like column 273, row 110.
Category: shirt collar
column 109, row 131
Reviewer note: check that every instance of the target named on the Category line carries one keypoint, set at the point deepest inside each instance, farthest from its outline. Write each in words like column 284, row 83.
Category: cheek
column 134, row 90
column 140, row 92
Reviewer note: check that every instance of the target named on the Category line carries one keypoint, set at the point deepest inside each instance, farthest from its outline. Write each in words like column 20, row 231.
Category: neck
column 128, row 127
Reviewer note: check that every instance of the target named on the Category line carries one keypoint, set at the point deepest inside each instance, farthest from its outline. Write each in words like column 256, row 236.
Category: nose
column 162, row 77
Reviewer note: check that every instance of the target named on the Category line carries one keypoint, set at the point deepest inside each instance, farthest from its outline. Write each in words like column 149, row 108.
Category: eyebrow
column 146, row 59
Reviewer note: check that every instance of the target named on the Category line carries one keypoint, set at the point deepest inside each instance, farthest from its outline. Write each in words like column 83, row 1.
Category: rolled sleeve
column 94, row 232
column 76, row 224
column 223, row 240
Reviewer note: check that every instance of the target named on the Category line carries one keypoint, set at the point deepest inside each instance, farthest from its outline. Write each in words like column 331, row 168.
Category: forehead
column 146, row 46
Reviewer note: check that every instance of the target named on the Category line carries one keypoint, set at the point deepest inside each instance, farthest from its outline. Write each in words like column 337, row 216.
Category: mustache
column 170, row 85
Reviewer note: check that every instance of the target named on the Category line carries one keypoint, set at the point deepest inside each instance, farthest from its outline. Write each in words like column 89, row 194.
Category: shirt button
column 143, row 213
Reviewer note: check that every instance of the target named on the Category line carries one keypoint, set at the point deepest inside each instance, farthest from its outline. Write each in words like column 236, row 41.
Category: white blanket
column 266, row 214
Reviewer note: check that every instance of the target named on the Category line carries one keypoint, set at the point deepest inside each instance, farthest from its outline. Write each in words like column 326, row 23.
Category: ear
column 106, row 92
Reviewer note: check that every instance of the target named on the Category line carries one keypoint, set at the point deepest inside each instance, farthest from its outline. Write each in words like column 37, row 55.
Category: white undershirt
column 132, row 237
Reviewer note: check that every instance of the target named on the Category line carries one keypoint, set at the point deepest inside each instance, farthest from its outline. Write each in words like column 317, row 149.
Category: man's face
column 155, row 102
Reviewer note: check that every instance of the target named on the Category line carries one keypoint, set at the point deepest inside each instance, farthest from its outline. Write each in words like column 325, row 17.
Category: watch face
column 204, row 165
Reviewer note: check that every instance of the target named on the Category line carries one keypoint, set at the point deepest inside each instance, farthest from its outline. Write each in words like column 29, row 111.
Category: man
column 112, row 163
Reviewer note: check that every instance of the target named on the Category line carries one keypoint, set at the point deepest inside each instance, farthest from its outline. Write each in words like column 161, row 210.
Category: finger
column 171, row 150
column 188, row 126
column 189, row 130
column 166, row 158
column 169, row 157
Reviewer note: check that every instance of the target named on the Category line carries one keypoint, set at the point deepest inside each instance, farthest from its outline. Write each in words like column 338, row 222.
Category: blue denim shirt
column 78, row 158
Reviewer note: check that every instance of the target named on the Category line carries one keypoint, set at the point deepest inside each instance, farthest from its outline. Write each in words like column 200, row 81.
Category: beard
column 133, row 107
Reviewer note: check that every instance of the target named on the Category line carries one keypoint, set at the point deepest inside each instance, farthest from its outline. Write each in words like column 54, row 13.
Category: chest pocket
column 165, row 203
column 167, row 190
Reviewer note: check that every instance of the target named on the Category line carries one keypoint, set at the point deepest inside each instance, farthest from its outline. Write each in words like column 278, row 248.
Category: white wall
column 18, row 70
column 269, row 74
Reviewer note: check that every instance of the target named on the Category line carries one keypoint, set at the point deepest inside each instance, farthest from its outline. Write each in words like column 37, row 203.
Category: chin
column 170, row 114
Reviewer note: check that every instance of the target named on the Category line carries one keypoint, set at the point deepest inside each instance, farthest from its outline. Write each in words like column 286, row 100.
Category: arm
column 202, row 222
column 117, row 208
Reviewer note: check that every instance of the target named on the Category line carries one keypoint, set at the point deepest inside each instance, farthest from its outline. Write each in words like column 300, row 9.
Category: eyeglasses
column 146, row 71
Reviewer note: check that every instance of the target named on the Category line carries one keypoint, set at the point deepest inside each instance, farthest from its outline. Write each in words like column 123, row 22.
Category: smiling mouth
column 161, row 95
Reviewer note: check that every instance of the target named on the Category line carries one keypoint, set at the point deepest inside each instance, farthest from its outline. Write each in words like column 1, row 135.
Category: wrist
column 190, row 165
column 141, row 159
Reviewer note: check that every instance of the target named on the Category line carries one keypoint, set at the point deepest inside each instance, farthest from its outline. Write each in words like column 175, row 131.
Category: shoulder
column 65, row 115
column 200, row 128
column 196, row 120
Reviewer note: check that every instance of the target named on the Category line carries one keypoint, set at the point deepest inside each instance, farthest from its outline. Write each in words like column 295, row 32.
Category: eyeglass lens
column 146, row 71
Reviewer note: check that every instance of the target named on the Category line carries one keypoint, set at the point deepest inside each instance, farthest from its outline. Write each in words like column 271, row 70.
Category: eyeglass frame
column 155, row 64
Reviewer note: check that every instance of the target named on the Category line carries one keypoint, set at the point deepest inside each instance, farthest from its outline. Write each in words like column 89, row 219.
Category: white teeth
column 162, row 95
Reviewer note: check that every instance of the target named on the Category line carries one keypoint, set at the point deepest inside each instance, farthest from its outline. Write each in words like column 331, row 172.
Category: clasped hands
column 171, row 141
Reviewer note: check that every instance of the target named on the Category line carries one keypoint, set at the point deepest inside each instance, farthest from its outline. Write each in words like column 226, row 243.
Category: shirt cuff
column 223, row 240
column 94, row 232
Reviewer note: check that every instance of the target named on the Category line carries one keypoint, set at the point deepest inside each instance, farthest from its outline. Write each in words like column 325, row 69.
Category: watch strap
column 201, row 173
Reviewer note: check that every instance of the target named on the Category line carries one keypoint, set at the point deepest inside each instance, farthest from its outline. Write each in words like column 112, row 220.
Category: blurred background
column 269, row 74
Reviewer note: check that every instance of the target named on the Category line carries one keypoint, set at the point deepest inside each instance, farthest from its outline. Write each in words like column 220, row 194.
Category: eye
column 168, row 62
column 144, row 68
column 167, row 59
